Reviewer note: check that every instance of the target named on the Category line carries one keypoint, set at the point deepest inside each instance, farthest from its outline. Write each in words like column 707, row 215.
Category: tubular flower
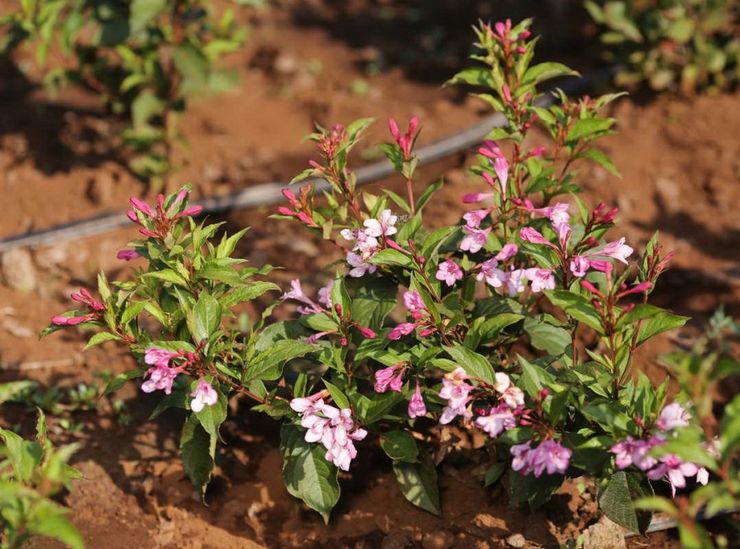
column 449, row 272
column 204, row 395
column 416, row 407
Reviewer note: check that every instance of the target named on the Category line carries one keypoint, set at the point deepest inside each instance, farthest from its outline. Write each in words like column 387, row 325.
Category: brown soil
column 679, row 161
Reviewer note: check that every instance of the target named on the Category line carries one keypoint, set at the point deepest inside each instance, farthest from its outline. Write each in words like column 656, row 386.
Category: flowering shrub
column 520, row 321
column 144, row 58
column 668, row 43
column 31, row 473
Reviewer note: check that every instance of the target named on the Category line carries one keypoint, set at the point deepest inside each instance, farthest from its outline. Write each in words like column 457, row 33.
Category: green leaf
column 389, row 256
column 339, row 398
column 268, row 364
column 602, row 160
column 168, row 275
column 589, row 127
column 534, row 491
column 534, row 378
column 475, row 76
column 307, row 475
column 418, row 482
column 494, row 474
column 49, row 520
column 120, row 380
column 400, row 446
column 141, row 12
column 545, row 71
column 373, row 300
column 552, row 339
column 101, row 337
column 247, row 293
column 24, row 455
column 205, row 317
column 660, row 323
column 619, row 497
column 211, row 417
column 577, row 307
column 198, row 451
column 15, row 389
column 475, row 365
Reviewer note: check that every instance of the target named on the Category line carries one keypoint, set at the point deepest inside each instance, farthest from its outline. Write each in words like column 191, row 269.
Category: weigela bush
column 144, row 58
column 691, row 45
column 521, row 320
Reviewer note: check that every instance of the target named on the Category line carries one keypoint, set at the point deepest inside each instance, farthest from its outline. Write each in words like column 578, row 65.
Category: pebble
column 516, row 540
column 18, row 270
column 605, row 534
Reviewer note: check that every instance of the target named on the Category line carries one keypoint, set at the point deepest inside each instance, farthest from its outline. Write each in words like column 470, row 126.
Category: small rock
column 18, row 270
column 397, row 539
column 604, row 535
column 52, row 257
column 516, row 540
column 286, row 63
column 437, row 540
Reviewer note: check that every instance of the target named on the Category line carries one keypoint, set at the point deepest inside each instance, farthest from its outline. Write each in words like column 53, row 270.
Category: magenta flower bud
column 473, row 198
column 131, row 214
column 586, row 285
column 282, row 210
column 393, row 127
column 366, row 332
column 403, row 329
column 142, row 206
column 60, row 320
column 127, row 254
column 192, row 210
column 289, row 195
column 528, row 234
column 506, row 93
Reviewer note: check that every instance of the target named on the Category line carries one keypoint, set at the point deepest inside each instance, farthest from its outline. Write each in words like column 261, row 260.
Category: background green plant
column 691, row 45
column 144, row 58
column 31, row 473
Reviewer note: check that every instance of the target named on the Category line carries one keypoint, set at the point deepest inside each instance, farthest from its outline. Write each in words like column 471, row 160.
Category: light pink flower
column 473, row 219
column 455, row 390
column 449, row 272
column 161, row 378
column 296, row 293
column 493, row 276
column 672, row 416
column 413, row 301
column 325, row 294
column 507, row 252
column 674, row 470
column 359, row 266
column 635, row 452
column 579, row 266
column 391, row 377
column 542, row 279
column 515, row 281
column 383, row 226
column 474, row 239
column 496, row 421
column 156, row 356
column 416, row 407
column 549, row 456
column 204, row 395
column 501, row 167
column 403, row 329
column 529, row 234
column 617, row 249
column 474, row 198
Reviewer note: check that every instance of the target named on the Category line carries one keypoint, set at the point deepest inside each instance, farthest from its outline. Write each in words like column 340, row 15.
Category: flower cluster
column 637, row 452
column 157, row 221
column 368, row 241
column 331, row 426
column 419, row 312
column 548, row 456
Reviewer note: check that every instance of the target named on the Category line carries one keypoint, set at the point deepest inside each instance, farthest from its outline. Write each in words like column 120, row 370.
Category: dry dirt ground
column 679, row 162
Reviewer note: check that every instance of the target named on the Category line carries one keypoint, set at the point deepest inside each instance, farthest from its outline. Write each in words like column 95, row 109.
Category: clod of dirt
column 516, row 540
column 18, row 270
column 440, row 539
column 604, row 535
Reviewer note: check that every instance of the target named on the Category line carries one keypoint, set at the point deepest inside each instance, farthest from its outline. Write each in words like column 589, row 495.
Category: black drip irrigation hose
column 270, row 193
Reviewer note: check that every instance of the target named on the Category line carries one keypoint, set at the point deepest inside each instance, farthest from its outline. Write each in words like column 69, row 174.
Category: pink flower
column 474, row 239
column 141, row 206
column 86, row 298
column 672, row 416
column 416, row 407
column 496, row 421
column 493, row 276
column 403, row 329
column 391, row 377
column 383, row 226
column 579, row 266
column 413, row 302
column 161, row 378
column 634, row 451
column 512, row 395
column 507, row 252
column 473, row 219
column 528, row 234
column 204, row 395
column 455, row 390
column 296, row 293
column 549, row 456
column 674, row 470
column 60, row 320
column 325, row 294
column 542, row 279
column 564, row 231
column 474, row 198
column 449, row 272
column 501, row 167
column 359, row 266
column 515, row 281
column 618, row 250
column 557, row 213
column 405, row 141
column 156, row 356
column 127, row 254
